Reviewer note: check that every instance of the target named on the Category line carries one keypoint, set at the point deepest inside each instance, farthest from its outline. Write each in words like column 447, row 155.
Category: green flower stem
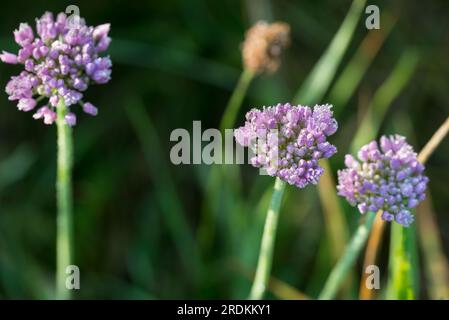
column 266, row 250
column 64, row 240
column 402, row 282
column 233, row 107
column 339, row 272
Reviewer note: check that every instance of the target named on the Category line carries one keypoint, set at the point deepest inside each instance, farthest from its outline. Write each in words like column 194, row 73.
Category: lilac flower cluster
column 60, row 62
column 390, row 179
column 287, row 141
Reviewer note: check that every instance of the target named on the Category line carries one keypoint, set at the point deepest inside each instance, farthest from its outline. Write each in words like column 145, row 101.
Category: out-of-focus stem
column 339, row 272
column 435, row 262
column 370, row 256
column 333, row 213
column 433, row 143
column 268, row 238
column 353, row 73
column 234, row 104
column 64, row 232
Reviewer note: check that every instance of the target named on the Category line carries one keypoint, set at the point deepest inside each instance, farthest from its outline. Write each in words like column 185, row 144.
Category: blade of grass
column 353, row 73
column 402, row 284
column 374, row 242
column 335, row 221
column 351, row 253
column 383, row 98
column 319, row 79
column 435, row 263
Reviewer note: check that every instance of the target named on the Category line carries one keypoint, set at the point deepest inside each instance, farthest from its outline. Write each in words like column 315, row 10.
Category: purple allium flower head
column 289, row 140
column 390, row 179
column 60, row 61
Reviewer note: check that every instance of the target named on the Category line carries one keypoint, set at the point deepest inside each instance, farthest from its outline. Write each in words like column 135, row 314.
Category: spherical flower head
column 389, row 178
column 287, row 141
column 263, row 46
column 60, row 62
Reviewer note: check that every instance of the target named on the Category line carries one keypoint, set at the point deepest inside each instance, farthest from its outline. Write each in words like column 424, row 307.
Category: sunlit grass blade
column 403, row 264
column 374, row 241
column 319, row 79
column 433, row 143
column 335, row 221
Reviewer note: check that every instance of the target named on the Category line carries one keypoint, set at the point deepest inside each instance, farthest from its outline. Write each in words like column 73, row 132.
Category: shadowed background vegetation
column 143, row 227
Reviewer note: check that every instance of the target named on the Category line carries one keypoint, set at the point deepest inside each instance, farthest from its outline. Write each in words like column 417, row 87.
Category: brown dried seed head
column 263, row 46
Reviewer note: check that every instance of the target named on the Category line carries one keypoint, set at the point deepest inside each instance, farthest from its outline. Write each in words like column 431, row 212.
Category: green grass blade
column 383, row 98
column 435, row 263
column 350, row 77
column 319, row 79
column 402, row 282
column 355, row 246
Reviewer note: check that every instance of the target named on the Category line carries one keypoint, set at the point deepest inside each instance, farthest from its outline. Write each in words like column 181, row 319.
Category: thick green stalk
column 402, row 282
column 266, row 249
column 64, row 233
column 339, row 272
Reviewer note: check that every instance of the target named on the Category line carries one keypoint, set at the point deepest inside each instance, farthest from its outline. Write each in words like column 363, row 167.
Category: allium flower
column 289, row 140
column 390, row 179
column 263, row 46
column 61, row 61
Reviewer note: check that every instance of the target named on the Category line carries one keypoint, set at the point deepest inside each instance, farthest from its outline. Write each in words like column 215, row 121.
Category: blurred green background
column 142, row 227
